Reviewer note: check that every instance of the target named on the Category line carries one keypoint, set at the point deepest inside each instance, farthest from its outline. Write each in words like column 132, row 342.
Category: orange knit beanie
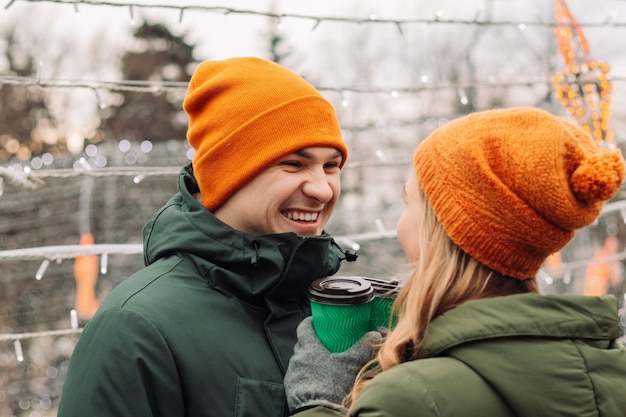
column 512, row 186
column 244, row 113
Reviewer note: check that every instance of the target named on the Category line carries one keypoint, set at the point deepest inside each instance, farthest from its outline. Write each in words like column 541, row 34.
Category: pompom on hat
column 244, row 113
column 511, row 186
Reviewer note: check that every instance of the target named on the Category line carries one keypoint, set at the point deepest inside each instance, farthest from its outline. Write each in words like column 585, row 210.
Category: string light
column 438, row 18
column 344, row 99
column 18, row 351
column 42, row 269
column 34, row 179
column 62, row 252
column 462, row 96
column 101, row 104
column 567, row 278
column 566, row 268
column 73, row 319
column 545, row 277
column 39, row 71
column 65, row 252
column 104, row 263
column 132, row 15
column 19, row 176
column 399, row 27
column 119, row 86
column 158, row 87
column 16, row 337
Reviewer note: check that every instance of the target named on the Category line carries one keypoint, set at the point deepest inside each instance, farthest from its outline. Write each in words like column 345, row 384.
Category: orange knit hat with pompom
column 512, row 186
column 244, row 113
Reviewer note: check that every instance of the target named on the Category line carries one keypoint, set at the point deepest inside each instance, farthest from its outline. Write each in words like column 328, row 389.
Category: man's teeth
column 303, row 217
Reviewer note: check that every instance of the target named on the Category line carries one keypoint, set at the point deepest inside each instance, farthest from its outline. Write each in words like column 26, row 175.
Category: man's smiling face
column 297, row 193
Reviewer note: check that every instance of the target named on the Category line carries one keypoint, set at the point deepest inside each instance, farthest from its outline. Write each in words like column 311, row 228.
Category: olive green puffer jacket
column 524, row 355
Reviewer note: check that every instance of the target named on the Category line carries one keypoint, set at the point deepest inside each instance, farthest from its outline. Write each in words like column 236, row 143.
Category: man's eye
column 294, row 164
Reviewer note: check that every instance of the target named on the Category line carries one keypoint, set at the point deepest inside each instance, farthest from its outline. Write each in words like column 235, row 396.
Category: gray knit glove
column 317, row 377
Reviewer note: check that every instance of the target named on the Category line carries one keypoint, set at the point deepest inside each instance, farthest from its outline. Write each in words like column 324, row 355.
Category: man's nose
column 317, row 186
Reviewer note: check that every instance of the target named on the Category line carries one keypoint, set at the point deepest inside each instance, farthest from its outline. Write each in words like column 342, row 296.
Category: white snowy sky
column 221, row 36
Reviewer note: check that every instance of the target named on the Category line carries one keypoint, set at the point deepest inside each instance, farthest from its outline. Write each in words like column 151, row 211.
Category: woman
column 491, row 196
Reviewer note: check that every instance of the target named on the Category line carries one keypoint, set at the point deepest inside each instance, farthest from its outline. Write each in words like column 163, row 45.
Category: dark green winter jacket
column 206, row 329
column 517, row 356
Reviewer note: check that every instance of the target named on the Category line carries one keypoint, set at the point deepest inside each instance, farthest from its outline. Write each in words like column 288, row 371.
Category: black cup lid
column 384, row 288
column 341, row 291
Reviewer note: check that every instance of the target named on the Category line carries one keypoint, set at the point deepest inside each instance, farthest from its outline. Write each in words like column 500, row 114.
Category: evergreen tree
column 156, row 55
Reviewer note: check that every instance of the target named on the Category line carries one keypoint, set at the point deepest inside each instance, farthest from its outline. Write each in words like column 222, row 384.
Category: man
column 208, row 327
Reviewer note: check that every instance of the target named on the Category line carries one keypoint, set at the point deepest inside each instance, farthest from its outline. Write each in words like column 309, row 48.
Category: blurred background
column 92, row 132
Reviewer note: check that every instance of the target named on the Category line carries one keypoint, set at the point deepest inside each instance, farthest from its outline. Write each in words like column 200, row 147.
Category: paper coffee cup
column 340, row 307
column 385, row 292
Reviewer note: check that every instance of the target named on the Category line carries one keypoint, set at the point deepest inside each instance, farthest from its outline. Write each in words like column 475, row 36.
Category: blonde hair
column 442, row 279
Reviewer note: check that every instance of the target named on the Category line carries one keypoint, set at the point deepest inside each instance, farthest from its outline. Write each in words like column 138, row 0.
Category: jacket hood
column 539, row 374
column 249, row 266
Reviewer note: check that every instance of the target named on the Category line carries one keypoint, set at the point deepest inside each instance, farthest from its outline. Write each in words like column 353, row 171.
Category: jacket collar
column 265, row 270
column 553, row 316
